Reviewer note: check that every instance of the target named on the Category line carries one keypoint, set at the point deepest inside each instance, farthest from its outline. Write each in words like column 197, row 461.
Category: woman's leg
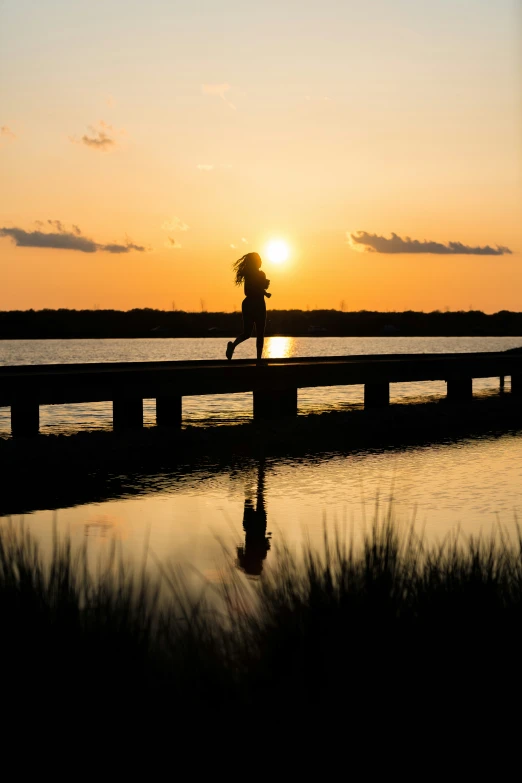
column 248, row 325
column 260, row 341
column 260, row 322
column 245, row 335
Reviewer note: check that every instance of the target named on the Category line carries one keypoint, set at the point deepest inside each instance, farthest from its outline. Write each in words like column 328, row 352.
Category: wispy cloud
column 101, row 137
column 126, row 248
column 174, row 224
column 64, row 239
column 242, row 241
column 212, row 166
column 172, row 243
column 6, row 132
column 373, row 243
column 220, row 90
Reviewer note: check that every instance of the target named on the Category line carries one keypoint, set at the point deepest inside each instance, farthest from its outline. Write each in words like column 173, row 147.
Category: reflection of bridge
column 274, row 383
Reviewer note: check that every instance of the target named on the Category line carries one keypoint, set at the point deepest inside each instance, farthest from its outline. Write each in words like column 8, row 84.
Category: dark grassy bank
column 65, row 324
column 395, row 627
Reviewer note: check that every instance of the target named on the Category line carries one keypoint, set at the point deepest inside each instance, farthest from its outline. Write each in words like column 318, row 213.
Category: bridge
column 273, row 383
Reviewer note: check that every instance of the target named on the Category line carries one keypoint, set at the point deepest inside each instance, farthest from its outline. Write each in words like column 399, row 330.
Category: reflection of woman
column 250, row 556
column 248, row 271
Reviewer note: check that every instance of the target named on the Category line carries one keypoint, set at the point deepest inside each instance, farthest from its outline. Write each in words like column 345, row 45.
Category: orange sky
column 201, row 128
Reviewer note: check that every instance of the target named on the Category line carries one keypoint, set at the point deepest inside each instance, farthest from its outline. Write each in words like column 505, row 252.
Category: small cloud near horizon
column 174, row 224
column 362, row 241
column 220, row 90
column 99, row 138
column 172, row 243
column 64, row 239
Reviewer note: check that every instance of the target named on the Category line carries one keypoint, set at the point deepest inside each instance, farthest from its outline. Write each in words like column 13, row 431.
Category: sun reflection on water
column 279, row 347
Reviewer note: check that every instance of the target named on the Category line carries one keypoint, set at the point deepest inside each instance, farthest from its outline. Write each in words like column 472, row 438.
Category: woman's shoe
column 230, row 350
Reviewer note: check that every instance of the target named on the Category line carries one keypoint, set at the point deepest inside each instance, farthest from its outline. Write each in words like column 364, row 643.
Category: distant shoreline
column 148, row 323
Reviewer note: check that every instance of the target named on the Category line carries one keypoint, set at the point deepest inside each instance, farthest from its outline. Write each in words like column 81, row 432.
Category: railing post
column 502, row 384
column 168, row 411
column 275, row 403
column 459, row 389
column 516, row 385
column 127, row 413
column 376, row 395
column 25, row 419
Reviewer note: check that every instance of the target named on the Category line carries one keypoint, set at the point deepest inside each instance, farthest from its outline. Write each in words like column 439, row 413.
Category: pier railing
column 274, row 383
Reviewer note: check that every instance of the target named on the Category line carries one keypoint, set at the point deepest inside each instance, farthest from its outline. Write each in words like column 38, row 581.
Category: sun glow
column 279, row 347
column 277, row 251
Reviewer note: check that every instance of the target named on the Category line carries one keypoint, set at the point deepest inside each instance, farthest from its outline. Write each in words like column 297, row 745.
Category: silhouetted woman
column 248, row 271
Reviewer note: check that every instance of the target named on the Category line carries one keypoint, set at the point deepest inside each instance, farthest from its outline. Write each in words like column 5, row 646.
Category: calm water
column 471, row 484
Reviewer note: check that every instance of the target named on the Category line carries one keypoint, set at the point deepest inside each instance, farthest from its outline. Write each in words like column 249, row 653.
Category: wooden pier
column 273, row 383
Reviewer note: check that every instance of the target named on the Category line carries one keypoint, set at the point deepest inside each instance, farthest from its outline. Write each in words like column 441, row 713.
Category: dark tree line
column 62, row 324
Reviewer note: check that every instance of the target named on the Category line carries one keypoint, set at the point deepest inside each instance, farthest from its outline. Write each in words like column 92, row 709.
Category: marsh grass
column 392, row 621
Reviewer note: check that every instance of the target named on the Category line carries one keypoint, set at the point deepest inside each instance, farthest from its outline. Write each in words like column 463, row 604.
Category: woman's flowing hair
column 250, row 262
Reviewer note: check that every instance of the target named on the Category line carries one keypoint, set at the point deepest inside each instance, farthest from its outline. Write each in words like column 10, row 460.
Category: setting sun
column 277, row 251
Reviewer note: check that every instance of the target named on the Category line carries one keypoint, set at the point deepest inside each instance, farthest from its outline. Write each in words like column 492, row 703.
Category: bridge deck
column 274, row 382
